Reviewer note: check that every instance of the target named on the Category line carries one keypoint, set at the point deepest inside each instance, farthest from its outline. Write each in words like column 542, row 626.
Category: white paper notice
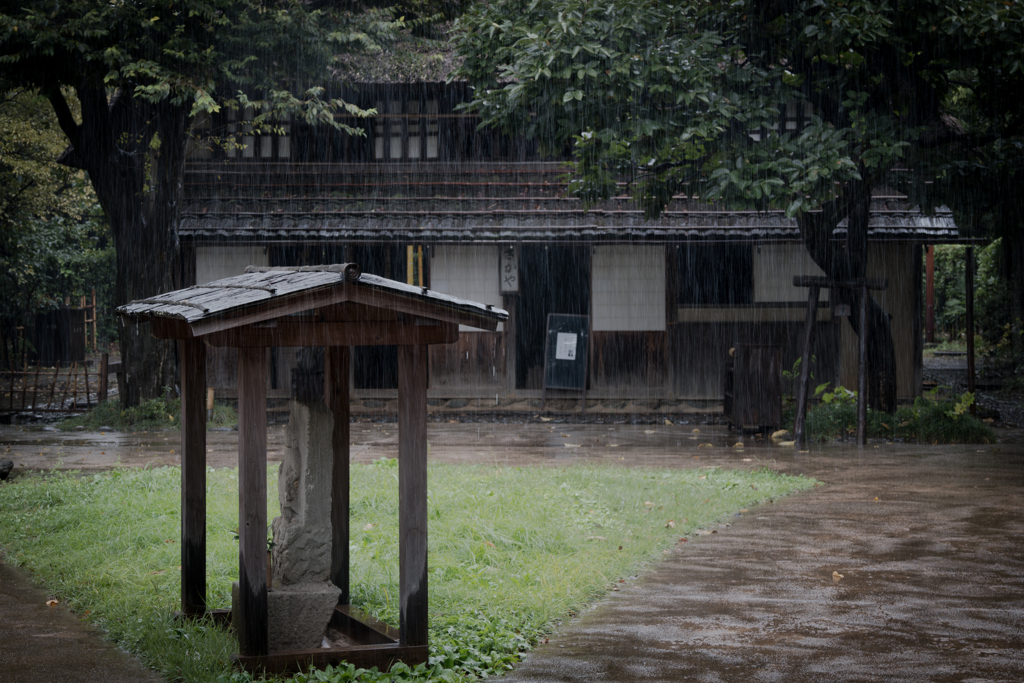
column 566, row 346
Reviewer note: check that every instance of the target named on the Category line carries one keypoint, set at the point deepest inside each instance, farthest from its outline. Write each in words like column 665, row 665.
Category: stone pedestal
column 301, row 597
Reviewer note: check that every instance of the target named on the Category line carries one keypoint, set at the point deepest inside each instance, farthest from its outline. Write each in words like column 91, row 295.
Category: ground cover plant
column 932, row 418
column 156, row 413
column 512, row 552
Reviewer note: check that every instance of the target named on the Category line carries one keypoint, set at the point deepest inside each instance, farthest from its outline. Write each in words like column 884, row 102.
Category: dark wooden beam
column 192, row 357
column 805, row 364
column 362, row 657
column 824, row 282
column 253, row 638
column 969, row 323
column 286, row 305
column 336, row 394
column 862, row 369
column 287, row 333
column 412, row 494
column 168, row 328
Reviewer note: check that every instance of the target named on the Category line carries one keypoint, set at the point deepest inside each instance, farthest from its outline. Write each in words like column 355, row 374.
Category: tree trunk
column 134, row 152
column 851, row 264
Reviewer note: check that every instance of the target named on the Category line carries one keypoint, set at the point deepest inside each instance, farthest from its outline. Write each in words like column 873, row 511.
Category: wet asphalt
column 928, row 540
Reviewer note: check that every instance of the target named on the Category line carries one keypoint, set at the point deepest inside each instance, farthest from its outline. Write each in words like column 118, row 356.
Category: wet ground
column 929, row 541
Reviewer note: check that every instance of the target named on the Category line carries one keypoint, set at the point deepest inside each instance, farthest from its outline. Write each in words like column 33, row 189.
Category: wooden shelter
column 337, row 307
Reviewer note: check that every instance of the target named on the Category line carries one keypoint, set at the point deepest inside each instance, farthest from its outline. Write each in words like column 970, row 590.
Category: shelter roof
column 265, row 294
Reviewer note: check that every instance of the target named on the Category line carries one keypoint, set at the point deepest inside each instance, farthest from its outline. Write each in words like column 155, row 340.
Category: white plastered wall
column 628, row 288
column 774, row 268
column 468, row 272
column 214, row 263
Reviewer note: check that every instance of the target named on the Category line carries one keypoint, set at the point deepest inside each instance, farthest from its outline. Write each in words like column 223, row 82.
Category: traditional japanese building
column 426, row 198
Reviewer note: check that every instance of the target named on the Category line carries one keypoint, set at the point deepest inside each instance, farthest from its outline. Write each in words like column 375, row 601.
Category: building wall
column 468, row 272
column 476, row 364
column 216, row 262
column 701, row 336
column 775, row 265
column 628, row 290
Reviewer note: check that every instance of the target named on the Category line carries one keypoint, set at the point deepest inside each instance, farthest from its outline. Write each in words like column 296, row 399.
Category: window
column 405, row 129
column 715, row 274
column 268, row 145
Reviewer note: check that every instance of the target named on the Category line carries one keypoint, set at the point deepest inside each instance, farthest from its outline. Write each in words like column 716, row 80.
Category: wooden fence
column 60, row 389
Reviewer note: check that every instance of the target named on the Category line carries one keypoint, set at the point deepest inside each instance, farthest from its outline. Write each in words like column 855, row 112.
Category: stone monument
column 301, row 598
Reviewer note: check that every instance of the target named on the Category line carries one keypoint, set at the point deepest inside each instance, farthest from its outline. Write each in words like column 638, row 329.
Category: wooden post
column 336, row 395
column 412, row 494
column 929, row 324
column 253, row 637
column 805, row 366
column 35, row 388
column 862, row 369
column 95, row 338
column 85, row 369
column 969, row 284
column 104, row 370
column 192, row 355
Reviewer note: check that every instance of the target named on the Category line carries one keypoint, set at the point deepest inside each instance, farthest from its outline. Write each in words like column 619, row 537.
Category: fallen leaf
column 565, row 436
column 52, row 601
column 648, row 503
column 613, row 445
column 738, row 444
column 836, row 577
column 161, row 571
column 684, row 540
column 572, row 445
column 748, row 459
column 648, row 431
column 886, row 426
column 703, row 476
column 368, row 527
column 670, row 524
column 488, row 544
column 546, row 419
column 668, row 422
column 705, row 445
column 599, row 538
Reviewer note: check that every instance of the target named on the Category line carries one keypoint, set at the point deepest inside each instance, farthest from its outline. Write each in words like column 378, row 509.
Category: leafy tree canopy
column 799, row 105
column 688, row 97
column 142, row 73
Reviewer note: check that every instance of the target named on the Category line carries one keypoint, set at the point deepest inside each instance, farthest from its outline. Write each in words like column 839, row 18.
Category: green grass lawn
column 512, row 552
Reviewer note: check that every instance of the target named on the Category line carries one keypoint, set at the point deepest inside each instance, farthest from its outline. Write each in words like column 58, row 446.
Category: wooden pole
column 805, row 366
column 74, row 386
column 253, row 635
column 104, row 370
column 969, row 283
column 24, row 383
column 192, row 355
column 929, row 324
column 85, row 369
column 336, row 394
column 95, row 338
column 53, row 385
column 412, row 494
column 35, row 388
column 862, row 370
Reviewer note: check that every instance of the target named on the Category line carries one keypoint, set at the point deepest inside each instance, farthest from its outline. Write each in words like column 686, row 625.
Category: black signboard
column 565, row 352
